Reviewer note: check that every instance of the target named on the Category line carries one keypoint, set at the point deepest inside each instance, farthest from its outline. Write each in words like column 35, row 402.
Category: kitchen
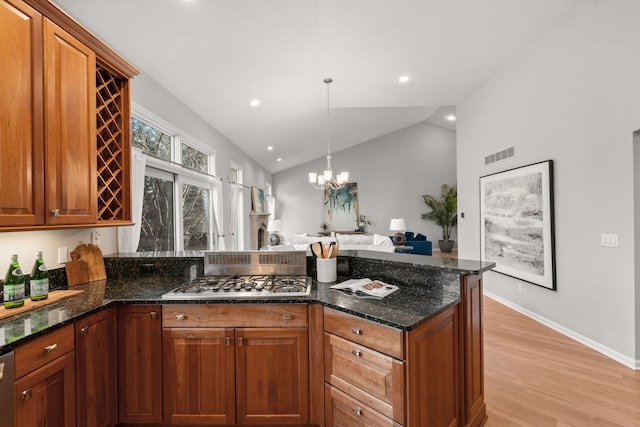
column 163, row 346
column 65, row 352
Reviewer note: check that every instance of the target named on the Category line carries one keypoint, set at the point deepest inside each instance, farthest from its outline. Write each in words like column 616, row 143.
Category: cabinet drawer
column 343, row 410
column 379, row 337
column 43, row 350
column 234, row 315
column 373, row 378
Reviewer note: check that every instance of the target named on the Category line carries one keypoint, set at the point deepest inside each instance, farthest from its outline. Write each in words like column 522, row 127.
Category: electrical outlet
column 520, row 287
column 96, row 238
column 62, row 255
column 609, row 240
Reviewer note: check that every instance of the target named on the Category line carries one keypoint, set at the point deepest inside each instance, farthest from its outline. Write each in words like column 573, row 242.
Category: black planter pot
column 445, row 245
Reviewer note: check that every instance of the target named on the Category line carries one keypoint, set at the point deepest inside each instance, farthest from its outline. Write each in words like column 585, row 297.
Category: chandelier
column 326, row 179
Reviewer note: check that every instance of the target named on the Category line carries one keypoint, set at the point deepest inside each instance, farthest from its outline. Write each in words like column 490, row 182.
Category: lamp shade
column 274, row 225
column 398, row 224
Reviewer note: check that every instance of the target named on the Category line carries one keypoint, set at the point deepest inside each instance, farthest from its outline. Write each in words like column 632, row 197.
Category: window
column 177, row 205
column 236, row 223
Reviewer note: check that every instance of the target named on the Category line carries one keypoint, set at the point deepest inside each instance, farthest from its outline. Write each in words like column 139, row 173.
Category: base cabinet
column 139, row 364
column 44, row 390
column 199, row 376
column 96, row 370
column 404, row 379
column 220, row 368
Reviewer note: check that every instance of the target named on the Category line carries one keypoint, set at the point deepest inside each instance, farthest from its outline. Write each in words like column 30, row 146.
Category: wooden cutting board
column 86, row 265
column 54, row 296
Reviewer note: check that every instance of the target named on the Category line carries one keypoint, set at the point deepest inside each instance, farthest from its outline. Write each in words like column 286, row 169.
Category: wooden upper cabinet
column 64, row 122
column 21, row 115
column 70, row 128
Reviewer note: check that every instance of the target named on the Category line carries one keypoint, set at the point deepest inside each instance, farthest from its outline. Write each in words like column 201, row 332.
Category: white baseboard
column 618, row 357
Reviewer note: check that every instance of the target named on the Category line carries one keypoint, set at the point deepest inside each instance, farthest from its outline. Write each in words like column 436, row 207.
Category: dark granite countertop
column 425, row 289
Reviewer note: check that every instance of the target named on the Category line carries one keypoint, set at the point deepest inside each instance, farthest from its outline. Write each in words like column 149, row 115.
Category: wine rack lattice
column 112, row 146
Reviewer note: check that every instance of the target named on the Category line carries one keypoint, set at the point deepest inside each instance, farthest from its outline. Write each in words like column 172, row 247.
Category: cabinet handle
column 227, row 341
column 356, row 353
column 50, row 348
column 180, row 316
column 1, row 372
column 356, row 331
column 85, row 330
column 153, row 315
column 357, row 410
column 55, row 212
column 26, row 395
column 239, row 342
column 286, row 316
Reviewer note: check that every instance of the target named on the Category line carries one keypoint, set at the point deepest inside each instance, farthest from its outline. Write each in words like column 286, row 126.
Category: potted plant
column 444, row 212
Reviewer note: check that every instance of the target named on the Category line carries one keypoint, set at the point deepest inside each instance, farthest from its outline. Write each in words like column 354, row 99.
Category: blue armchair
column 419, row 244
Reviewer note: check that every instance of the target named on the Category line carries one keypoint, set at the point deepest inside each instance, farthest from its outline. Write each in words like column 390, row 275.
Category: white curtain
column 129, row 237
column 219, row 244
column 232, row 237
column 271, row 201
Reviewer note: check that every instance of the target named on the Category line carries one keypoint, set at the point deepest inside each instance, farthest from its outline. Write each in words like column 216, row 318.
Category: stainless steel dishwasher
column 6, row 390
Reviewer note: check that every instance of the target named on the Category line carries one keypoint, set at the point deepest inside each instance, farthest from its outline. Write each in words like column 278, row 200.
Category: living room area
column 390, row 175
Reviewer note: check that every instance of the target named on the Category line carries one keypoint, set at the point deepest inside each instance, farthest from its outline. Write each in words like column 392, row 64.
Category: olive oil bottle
column 39, row 279
column 13, row 295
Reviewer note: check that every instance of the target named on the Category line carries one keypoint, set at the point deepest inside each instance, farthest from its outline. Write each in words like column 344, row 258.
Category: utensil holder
column 327, row 269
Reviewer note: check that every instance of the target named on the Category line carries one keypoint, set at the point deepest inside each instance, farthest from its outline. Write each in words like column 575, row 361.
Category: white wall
column 392, row 172
column 156, row 99
column 571, row 96
column 27, row 243
column 150, row 95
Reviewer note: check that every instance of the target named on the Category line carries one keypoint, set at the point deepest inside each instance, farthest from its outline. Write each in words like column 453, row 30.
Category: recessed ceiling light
column 279, row 159
column 270, row 148
column 450, row 118
column 255, row 102
column 403, row 79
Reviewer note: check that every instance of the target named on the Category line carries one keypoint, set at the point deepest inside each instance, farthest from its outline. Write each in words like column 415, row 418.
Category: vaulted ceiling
column 217, row 56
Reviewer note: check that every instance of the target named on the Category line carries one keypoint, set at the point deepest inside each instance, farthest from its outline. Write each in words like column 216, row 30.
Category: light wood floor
column 537, row 377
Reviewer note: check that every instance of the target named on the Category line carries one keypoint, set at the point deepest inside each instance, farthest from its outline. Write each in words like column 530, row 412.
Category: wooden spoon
column 316, row 249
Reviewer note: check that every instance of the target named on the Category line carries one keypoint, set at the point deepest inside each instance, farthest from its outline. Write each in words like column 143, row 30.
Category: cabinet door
column 96, row 370
column 433, row 372
column 70, row 129
column 139, row 364
column 474, row 410
column 21, row 115
column 199, row 376
column 272, row 376
column 46, row 397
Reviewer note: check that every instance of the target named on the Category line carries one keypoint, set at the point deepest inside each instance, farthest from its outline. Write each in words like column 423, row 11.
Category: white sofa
column 369, row 242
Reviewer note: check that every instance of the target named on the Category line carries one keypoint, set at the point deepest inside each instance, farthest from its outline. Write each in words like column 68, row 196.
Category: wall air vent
column 500, row 155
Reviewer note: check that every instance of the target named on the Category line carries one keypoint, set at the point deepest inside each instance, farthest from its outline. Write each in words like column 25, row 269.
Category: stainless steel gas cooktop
column 248, row 275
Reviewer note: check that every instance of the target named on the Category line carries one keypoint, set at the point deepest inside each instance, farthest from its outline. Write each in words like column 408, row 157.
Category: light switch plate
column 62, row 255
column 609, row 240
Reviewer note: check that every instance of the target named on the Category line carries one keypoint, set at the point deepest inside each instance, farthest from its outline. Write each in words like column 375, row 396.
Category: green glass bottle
column 39, row 279
column 14, row 285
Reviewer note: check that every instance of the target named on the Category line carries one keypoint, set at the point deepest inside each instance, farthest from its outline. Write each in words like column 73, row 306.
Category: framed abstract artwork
column 257, row 200
column 340, row 208
column 517, row 223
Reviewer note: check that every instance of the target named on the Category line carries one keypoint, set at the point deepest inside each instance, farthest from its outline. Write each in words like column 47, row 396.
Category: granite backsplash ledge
column 163, row 264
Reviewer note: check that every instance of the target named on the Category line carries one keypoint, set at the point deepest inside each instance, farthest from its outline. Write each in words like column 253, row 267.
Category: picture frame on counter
column 517, row 223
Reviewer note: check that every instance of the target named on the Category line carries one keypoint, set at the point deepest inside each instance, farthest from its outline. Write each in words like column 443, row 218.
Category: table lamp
column 274, row 226
column 399, row 226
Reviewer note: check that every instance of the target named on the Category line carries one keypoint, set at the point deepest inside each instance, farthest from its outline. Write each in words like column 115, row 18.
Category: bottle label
column 42, row 267
column 17, row 272
column 39, row 287
column 13, row 293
